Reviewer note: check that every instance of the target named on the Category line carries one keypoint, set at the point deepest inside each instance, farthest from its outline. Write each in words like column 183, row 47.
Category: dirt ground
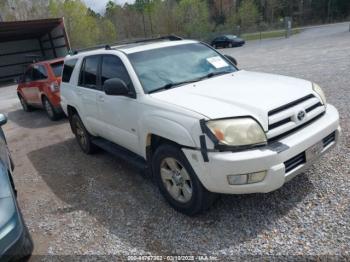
column 75, row 204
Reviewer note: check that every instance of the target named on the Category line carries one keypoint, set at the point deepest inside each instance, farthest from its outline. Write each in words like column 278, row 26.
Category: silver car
column 15, row 241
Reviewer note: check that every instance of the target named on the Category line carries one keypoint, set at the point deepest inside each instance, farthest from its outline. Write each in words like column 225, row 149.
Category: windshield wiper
column 172, row 85
column 212, row 74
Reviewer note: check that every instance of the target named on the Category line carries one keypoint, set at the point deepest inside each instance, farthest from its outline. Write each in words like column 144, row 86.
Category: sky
column 99, row 5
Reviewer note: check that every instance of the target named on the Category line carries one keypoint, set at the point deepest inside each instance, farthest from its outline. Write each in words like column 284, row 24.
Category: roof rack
column 74, row 52
column 108, row 47
column 145, row 40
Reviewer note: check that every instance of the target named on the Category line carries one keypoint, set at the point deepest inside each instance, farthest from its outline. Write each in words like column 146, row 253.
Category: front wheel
column 178, row 182
column 83, row 137
column 230, row 45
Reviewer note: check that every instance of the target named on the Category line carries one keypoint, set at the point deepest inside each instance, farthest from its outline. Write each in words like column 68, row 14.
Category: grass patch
column 268, row 34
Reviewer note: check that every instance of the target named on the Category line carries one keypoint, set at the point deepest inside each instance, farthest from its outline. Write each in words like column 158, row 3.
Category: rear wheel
column 178, row 182
column 83, row 137
column 230, row 45
column 25, row 106
column 50, row 110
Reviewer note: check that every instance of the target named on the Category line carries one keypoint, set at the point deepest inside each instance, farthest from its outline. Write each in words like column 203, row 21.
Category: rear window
column 68, row 69
column 57, row 68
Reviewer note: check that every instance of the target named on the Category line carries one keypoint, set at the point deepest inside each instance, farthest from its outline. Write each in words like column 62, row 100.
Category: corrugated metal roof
column 21, row 30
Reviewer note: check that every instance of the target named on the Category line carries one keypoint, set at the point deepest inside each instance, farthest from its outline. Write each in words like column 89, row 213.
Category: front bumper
column 213, row 174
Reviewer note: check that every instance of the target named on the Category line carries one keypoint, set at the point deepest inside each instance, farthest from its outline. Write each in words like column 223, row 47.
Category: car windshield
column 172, row 66
column 231, row 36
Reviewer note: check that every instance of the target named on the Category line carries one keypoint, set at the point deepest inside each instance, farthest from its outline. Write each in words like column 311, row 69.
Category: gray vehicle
column 15, row 241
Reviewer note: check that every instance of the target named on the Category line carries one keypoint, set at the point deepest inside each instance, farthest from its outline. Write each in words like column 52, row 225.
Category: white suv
column 185, row 112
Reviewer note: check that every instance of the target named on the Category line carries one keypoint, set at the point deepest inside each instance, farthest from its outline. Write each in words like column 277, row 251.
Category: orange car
column 40, row 87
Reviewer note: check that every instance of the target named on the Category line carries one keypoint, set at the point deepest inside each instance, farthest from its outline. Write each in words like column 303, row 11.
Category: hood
column 241, row 93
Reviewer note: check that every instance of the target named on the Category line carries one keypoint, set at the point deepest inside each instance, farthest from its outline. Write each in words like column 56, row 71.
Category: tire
column 50, row 110
column 83, row 137
column 230, row 45
column 25, row 106
column 178, row 182
column 26, row 250
column 28, row 246
column 214, row 46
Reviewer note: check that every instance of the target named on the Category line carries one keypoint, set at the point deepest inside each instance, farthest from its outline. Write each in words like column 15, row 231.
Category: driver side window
column 113, row 67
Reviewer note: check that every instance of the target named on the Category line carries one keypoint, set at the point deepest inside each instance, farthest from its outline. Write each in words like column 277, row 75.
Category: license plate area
column 314, row 152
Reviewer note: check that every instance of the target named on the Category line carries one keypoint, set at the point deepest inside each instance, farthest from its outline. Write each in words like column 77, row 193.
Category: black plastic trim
column 204, row 149
column 291, row 104
column 121, row 152
column 296, row 128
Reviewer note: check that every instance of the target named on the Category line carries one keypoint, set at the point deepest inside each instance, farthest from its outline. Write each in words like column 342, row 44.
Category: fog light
column 256, row 177
column 247, row 178
column 237, row 179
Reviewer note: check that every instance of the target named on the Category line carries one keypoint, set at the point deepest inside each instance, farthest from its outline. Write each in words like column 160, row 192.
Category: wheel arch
column 162, row 131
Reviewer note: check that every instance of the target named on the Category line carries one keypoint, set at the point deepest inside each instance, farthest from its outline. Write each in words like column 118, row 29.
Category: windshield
column 231, row 36
column 160, row 67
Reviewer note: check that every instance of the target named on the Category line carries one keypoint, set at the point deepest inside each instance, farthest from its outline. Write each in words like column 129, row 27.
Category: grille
column 284, row 120
column 328, row 139
column 294, row 162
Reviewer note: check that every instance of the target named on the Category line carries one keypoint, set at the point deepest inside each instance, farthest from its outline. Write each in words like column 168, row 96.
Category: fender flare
column 165, row 128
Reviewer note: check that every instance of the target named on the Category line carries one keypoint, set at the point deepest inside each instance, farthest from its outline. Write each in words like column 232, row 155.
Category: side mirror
column 3, row 119
column 232, row 60
column 116, row 87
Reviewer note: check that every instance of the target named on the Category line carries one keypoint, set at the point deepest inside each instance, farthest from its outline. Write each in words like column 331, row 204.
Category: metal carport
column 21, row 42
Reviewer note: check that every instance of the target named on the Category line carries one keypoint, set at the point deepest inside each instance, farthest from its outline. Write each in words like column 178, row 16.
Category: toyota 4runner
column 200, row 125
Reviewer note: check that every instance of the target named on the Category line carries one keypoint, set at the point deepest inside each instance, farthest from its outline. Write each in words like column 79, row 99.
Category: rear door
column 118, row 114
column 40, row 80
column 57, row 69
column 88, row 88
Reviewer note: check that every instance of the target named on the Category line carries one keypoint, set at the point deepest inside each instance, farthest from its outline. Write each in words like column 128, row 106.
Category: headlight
column 237, row 132
column 319, row 91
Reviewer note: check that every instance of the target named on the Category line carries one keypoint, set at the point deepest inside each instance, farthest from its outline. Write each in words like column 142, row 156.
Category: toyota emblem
column 301, row 115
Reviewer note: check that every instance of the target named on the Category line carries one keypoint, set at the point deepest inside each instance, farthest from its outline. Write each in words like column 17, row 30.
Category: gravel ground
column 76, row 204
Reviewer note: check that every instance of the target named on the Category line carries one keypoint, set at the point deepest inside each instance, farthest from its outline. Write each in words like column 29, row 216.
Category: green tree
column 107, row 31
column 193, row 18
column 82, row 26
column 248, row 14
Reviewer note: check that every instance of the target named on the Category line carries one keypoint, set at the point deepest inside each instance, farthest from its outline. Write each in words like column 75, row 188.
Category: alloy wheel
column 176, row 180
column 48, row 108
column 81, row 135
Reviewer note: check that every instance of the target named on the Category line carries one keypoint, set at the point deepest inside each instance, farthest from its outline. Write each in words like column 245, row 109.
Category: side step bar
column 121, row 152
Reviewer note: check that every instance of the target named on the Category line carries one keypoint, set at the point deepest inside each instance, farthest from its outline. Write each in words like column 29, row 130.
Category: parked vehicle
column 15, row 241
column 40, row 87
column 227, row 41
column 201, row 125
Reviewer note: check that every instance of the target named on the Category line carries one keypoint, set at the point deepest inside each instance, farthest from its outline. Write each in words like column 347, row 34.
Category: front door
column 27, row 84
column 118, row 113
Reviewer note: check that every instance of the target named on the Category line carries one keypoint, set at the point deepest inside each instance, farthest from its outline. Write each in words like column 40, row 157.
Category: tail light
column 54, row 86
